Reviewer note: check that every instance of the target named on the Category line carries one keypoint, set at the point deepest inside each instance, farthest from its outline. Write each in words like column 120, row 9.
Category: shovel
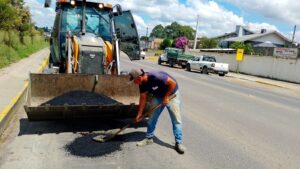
column 104, row 138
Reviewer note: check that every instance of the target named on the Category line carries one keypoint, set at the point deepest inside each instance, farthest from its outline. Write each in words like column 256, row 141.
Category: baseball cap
column 134, row 73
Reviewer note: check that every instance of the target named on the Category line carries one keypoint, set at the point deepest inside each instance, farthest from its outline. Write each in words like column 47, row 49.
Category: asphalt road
column 228, row 123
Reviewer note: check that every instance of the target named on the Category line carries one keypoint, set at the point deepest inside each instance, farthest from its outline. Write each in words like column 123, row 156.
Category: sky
column 216, row 17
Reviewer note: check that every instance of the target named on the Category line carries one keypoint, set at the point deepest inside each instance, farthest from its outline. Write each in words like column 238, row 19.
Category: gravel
column 81, row 97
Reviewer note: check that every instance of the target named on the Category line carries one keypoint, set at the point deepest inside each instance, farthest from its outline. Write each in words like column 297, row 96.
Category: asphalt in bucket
column 79, row 97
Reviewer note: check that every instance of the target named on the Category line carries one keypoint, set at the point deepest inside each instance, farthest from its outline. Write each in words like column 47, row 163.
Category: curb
column 267, row 83
column 259, row 81
column 14, row 104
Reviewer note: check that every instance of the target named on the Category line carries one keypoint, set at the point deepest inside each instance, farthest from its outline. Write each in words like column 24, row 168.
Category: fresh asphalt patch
column 84, row 146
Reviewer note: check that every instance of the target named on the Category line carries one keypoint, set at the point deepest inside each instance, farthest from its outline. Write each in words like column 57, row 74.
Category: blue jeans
column 174, row 111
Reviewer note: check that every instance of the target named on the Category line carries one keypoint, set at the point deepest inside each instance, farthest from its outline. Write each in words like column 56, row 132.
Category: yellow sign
column 239, row 54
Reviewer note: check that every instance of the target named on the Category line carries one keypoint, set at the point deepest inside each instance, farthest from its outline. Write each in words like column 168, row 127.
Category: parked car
column 206, row 64
column 174, row 56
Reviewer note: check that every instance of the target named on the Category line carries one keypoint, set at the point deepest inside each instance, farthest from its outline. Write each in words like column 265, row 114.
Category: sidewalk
column 266, row 81
column 14, row 77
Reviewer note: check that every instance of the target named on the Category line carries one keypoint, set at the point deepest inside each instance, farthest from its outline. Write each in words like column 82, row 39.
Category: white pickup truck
column 207, row 64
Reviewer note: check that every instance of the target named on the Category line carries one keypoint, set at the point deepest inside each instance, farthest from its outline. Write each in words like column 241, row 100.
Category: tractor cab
column 95, row 26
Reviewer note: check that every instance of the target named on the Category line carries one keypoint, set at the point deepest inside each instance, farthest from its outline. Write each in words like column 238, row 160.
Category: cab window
column 97, row 21
column 71, row 20
column 127, row 33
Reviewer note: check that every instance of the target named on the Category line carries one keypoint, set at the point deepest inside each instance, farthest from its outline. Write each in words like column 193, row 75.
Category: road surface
column 228, row 123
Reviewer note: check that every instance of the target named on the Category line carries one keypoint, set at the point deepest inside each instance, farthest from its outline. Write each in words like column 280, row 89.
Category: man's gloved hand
column 165, row 100
column 138, row 118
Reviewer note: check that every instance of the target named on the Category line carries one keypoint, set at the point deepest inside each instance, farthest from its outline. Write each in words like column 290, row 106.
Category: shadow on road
column 174, row 67
column 84, row 146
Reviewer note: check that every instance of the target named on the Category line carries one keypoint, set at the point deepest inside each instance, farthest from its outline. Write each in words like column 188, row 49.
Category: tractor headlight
column 72, row 2
column 101, row 6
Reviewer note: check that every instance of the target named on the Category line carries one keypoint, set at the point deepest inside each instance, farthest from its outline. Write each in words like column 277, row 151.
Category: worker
column 160, row 85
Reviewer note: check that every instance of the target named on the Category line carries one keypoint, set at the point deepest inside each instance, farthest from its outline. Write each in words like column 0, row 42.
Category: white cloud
column 214, row 19
column 140, row 23
column 256, row 27
column 282, row 10
column 297, row 36
column 40, row 15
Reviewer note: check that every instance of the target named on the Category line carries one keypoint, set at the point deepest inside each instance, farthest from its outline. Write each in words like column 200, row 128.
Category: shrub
column 181, row 42
column 166, row 43
column 248, row 49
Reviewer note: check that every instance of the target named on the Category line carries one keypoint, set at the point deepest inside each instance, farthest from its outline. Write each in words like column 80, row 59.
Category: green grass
column 156, row 52
column 19, row 51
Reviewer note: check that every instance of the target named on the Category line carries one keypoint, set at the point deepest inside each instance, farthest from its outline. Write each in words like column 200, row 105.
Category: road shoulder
column 14, row 82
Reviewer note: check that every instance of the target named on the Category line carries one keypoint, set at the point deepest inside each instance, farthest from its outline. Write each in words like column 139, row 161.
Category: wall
column 265, row 66
column 155, row 44
column 275, row 39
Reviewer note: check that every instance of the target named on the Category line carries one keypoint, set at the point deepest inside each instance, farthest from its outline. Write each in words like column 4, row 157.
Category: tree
column 207, row 43
column 8, row 15
column 176, row 30
column 144, row 38
column 25, row 24
column 248, row 49
column 237, row 45
column 173, row 31
column 158, row 31
column 187, row 31
column 166, row 43
column 181, row 42
column 15, row 17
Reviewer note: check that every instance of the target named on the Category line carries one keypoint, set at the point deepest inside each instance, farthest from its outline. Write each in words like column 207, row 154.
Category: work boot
column 146, row 141
column 179, row 148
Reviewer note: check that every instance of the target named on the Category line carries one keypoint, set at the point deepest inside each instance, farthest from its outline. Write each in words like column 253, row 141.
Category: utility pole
column 146, row 42
column 294, row 35
column 195, row 41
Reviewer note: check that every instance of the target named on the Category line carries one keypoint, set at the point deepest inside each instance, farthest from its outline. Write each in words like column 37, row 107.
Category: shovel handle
column 144, row 115
column 156, row 107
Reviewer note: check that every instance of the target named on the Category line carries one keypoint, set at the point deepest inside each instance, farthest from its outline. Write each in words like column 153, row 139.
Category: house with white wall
column 263, row 38
column 239, row 32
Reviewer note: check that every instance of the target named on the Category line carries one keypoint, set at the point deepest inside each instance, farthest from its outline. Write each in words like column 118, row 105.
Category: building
column 239, row 31
column 264, row 38
column 154, row 43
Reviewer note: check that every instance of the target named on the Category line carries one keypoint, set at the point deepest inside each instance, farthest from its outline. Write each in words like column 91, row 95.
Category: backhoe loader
column 84, row 79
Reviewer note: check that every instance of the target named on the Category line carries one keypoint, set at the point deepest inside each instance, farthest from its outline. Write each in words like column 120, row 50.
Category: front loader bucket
column 71, row 96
